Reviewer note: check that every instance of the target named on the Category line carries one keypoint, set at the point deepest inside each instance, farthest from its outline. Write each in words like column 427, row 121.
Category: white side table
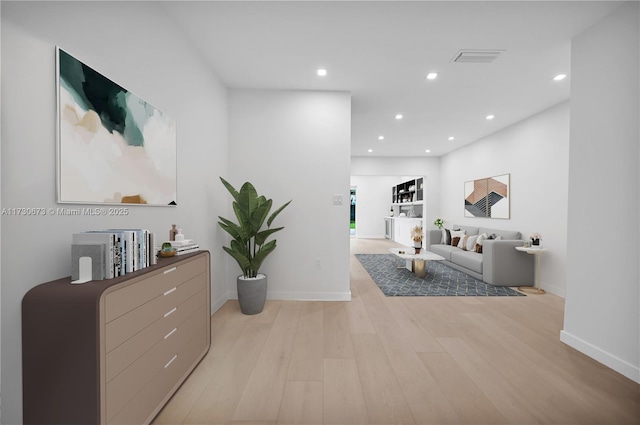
column 536, row 272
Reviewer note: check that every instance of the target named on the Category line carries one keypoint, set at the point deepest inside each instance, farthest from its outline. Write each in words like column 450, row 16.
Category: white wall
column 399, row 170
column 136, row 46
column 535, row 152
column 602, row 304
column 373, row 203
column 296, row 145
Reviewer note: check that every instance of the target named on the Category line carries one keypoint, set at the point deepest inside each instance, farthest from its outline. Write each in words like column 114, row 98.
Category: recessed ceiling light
column 559, row 77
column 370, row 150
column 432, row 75
column 451, row 138
column 380, row 137
column 321, row 72
column 428, row 150
column 398, row 116
column 490, row 117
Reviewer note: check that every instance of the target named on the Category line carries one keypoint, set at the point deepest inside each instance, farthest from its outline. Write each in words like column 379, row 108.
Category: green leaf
column 230, row 188
column 276, row 212
column 262, row 253
column 261, row 237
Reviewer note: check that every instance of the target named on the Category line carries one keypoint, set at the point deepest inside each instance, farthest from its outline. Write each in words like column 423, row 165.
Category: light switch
column 337, row 199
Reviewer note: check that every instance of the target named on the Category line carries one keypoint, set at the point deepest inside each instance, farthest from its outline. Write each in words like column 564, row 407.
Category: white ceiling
column 381, row 51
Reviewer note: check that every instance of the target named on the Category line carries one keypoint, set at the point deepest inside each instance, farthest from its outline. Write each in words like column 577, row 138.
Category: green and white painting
column 113, row 147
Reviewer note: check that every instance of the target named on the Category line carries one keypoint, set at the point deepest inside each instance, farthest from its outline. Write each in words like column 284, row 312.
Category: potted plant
column 535, row 239
column 439, row 223
column 417, row 233
column 249, row 246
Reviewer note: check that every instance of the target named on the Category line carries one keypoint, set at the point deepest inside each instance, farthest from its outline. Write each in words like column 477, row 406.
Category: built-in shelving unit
column 411, row 191
column 409, row 198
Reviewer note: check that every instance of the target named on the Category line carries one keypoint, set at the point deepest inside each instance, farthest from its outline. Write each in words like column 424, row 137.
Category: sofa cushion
column 468, row 230
column 506, row 234
column 443, row 250
column 456, row 235
column 446, row 236
column 470, row 242
column 467, row 259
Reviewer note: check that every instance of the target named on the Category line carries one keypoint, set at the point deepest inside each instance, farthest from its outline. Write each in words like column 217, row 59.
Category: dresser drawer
column 126, row 326
column 128, row 352
column 130, row 297
column 143, row 407
column 127, row 384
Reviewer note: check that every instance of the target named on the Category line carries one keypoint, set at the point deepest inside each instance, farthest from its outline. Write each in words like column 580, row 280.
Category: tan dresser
column 114, row 351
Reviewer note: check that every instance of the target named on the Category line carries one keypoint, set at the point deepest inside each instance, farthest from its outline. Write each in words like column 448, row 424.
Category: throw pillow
column 446, row 236
column 481, row 238
column 470, row 242
column 478, row 248
column 462, row 243
column 455, row 236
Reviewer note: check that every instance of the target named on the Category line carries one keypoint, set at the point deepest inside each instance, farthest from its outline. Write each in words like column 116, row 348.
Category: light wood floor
column 413, row 360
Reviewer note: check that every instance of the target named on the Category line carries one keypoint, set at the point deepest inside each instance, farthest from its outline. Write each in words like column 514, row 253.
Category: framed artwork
column 112, row 146
column 488, row 197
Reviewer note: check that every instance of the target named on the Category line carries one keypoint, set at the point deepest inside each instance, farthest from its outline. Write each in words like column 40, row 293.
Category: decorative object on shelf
column 112, row 146
column 173, row 232
column 391, row 213
column 488, row 197
column 249, row 246
column 167, row 250
column 439, row 223
column 179, row 236
column 535, row 239
column 417, row 233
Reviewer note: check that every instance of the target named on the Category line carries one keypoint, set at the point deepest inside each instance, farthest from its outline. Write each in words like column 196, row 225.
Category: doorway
column 352, row 224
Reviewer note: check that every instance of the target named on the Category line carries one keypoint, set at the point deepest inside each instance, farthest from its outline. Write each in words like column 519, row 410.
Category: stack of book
column 113, row 252
column 184, row 246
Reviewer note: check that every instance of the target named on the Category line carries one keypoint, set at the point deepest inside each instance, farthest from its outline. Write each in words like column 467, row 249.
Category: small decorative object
column 535, row 239
column 439, row 223
column 527, row 244
column 391, row 213
column 417, row 233
column 173, row 232
column 179, row 236
column 167, row 250
column 249, row 246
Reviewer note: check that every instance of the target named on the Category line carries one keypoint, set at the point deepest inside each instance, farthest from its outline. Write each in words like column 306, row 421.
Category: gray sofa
column 499, row 264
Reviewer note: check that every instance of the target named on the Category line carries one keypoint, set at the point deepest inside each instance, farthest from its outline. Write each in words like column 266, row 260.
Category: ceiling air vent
column 477, row 56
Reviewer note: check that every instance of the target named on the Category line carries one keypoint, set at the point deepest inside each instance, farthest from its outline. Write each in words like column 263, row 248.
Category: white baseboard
column 554, row 289
column 627, row 369
column 216, row 304
column 359, row 236
column 309, row 296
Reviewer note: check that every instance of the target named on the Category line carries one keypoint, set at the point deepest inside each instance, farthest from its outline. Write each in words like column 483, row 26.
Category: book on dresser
column 126, row 250
column 115, row 351
column 106, row 239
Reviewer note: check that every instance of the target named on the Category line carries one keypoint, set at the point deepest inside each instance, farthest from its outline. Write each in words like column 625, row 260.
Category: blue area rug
column 441, row 280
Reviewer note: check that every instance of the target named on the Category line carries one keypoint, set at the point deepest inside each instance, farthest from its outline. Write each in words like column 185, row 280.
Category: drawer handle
column 171, row 361
column 170, row 333
column 170, row 270
column 171, row 290
column 170, row 312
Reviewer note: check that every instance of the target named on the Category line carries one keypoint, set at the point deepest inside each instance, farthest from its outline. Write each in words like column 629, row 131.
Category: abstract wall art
column 113, row 147
column 488, row 197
